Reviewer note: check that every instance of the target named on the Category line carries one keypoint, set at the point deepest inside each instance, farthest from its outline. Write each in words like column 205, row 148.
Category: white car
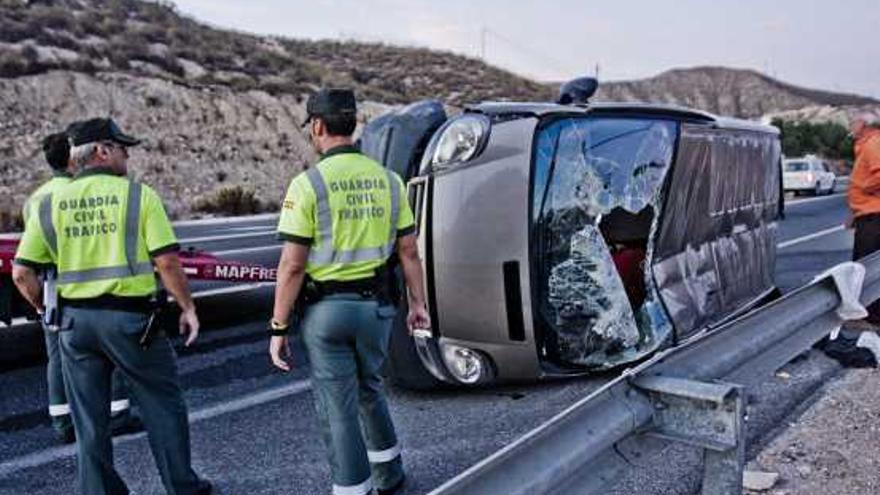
column 808, row 174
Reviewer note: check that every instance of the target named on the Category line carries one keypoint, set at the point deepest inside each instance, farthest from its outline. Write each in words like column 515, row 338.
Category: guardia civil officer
column 104, row 233
column 341, row 221
column 56, row 150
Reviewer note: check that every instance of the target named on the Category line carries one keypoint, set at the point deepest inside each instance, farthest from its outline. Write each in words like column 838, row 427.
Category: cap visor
column 126, row 140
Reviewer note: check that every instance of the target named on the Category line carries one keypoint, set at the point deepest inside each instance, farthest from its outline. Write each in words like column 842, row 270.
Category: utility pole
column 597, row 70
column 483, row 32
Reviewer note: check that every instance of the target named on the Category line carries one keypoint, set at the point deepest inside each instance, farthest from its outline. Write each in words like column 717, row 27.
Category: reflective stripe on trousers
column 325, row 254
column 132, row 228
column 59, row 410
column 380, row 456
column 64, row 409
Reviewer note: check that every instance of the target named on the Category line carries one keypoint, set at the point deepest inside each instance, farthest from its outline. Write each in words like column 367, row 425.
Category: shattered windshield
column 595, row 193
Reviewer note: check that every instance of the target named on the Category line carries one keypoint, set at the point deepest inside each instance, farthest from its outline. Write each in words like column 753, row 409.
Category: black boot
column 394, row 489
column 205, row 488
column 125, row 422
column 63, row 428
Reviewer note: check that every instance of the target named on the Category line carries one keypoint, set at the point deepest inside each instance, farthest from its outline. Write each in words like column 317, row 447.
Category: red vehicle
column 197, row 265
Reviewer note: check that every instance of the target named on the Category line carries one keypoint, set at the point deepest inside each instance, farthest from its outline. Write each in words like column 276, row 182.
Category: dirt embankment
column 834, row 447
column 196, row 141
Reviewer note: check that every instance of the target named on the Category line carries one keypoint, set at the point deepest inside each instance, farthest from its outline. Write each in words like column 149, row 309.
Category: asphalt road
column 253, row 429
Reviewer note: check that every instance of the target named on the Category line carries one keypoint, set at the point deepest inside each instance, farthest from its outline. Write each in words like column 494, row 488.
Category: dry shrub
column 11, row 221
column 230, row 201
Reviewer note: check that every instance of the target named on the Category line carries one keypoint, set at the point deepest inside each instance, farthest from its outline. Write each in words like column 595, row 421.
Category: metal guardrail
column 679, row 395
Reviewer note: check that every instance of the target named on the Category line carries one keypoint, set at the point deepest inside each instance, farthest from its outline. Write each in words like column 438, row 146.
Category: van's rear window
column 797, row 167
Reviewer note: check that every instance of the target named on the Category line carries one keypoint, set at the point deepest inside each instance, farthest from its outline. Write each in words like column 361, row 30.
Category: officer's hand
column 417, row 318
column 189, row 326
column 279, row 349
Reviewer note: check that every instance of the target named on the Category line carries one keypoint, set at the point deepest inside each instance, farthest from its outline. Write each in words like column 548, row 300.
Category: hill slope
column 219, row 108
column 724, row 91
column 152, row 39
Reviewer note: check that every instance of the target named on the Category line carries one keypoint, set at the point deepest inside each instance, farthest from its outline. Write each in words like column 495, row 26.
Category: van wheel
column 818, row 190
column 404, row 367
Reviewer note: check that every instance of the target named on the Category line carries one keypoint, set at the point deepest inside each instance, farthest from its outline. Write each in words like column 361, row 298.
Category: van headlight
column 458, row 141
column 465, row 365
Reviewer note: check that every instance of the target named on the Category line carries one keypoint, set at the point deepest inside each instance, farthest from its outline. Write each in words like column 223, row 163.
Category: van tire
column 404, row 366
column 818, row 190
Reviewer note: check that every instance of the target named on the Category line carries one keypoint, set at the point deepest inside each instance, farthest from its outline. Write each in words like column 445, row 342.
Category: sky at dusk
column 818, row 44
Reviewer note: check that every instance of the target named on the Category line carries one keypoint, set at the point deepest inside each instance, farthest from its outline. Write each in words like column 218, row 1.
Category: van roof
column 674, row 111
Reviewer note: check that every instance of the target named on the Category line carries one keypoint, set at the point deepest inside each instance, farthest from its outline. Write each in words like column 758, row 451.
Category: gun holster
column 51, row 305
column 156, row 319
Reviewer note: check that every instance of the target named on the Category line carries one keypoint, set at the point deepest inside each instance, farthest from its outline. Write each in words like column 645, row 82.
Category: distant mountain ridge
column 724, row 91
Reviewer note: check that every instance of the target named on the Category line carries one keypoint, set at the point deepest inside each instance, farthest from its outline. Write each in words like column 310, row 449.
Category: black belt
column 137, row 304
column 367, row 287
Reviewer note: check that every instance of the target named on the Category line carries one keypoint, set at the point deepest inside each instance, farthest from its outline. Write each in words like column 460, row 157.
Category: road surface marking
column 52, row 454
column 798, row 240
column 810, row 200
column 18, row 322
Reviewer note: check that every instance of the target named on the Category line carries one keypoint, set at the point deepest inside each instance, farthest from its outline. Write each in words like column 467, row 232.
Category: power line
column 522, row 49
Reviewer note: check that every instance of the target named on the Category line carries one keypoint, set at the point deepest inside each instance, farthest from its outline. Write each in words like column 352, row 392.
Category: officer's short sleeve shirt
column 297, row 220
column 32, row 248
column 156, row 228
column 405, row 222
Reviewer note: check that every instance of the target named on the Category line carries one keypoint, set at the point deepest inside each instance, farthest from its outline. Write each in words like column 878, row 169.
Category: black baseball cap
column 94, row 130
column 332, row 101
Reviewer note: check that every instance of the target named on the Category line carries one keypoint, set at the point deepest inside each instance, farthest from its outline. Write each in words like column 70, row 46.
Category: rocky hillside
column 219, row 110
column 737, row 92
column 828, row 113
column 151, row 39
column 196, row 140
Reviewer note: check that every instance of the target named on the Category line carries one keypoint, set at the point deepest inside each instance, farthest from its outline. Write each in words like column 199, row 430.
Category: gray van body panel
column 480, row 218
column 711, row 257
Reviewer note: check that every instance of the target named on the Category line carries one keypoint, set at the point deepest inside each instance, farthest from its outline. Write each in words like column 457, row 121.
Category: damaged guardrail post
column 707, row 415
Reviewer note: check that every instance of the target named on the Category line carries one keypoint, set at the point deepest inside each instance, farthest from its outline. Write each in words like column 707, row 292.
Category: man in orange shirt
column 864, row 194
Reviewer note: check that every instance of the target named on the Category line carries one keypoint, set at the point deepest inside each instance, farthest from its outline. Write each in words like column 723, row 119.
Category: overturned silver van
column 560, row 239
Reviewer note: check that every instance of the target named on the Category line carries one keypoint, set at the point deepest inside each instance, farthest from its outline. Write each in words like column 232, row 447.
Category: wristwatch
column 278, row 329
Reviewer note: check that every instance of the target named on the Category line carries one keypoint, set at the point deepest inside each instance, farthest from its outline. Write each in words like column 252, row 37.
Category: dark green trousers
column 93, row 342
column 346, row 337
column 59, row 409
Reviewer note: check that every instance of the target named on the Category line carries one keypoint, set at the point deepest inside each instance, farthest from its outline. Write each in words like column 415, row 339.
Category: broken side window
column 595, row 192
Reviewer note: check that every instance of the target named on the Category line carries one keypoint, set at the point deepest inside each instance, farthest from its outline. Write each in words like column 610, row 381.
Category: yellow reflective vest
column 100, row 231
column 349, row 211
column 30, row 205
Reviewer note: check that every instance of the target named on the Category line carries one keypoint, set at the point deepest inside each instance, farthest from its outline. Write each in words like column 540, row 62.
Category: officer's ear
column 319, row 128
